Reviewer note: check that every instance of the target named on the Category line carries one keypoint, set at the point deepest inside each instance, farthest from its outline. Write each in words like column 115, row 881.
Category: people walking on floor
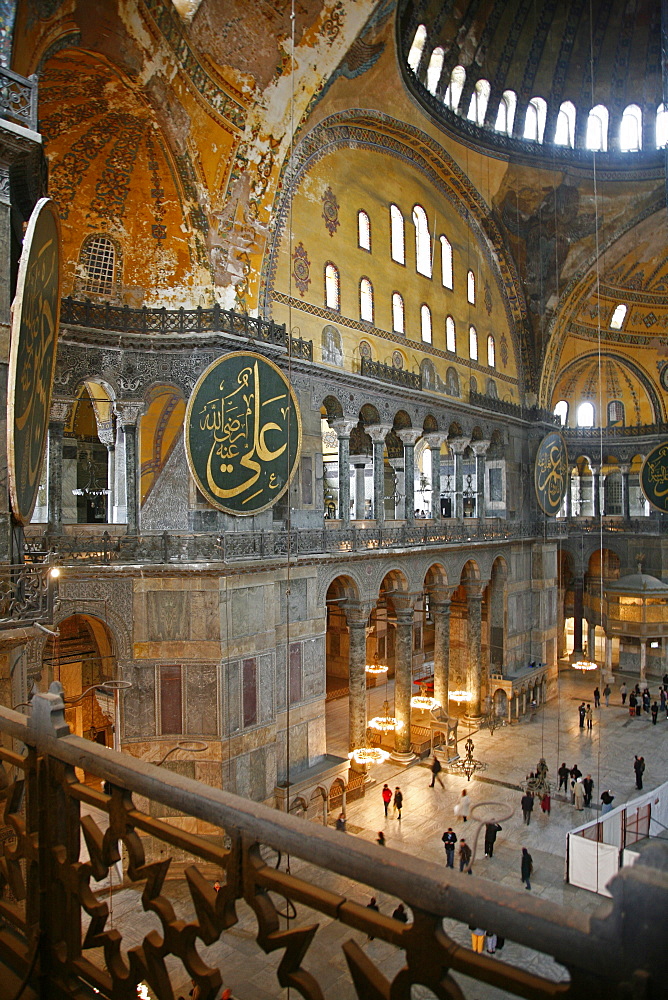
column 463, row 805
column 398, row 801
column 582, row 710
column 341, row 822
column 464, row 856
column 526, row 868
column 639, row 768
column 372, row 905
column 663, row 697
column 546, row 803
column 477, row 938
column 622, row 691
column 491, row 830
column 380, row 839
column 655, row 713
column 606, row 800
column 449, row 839
column 575, row 773
column 400, row 914
column 436, row 769
column 597, row 698
column 527, row 807
column 588, row 785
column 589, row 715
column 606, row 694
column 579, row 795
column 645, row 701
column 632, row 703
column 563, row 773
column 387, row 797
column 490, row 942
column 638, row 705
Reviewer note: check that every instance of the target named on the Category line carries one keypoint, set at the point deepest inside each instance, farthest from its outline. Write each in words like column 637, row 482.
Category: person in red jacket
column 387, row 797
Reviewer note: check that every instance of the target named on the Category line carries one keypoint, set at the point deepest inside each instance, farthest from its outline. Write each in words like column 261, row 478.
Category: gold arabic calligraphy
column 656, row 472
column 551, row 473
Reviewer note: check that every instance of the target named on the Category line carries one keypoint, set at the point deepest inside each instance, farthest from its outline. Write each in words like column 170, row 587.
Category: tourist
column 632, row 703
column 398, row 801
column 606, row 694
column 387, row 797
column 463, row 806
column 526, row 868
column 436, row 772
column 464, row 856
column 588, row 785
column 491, row 830
column 655, row 712
column 477, row 937
column 597, row 698
column 490, row 942
column 579, row 795
column 563, row 773
column 372, row 905
column 645, row 701
column 380, row 839
column 589, row 715
column 527, row 807
column 341, row 823
column 607, row 800
column 582, row 712
column 622, row 691
column 449, row 839
column 546, row 804
column 639, row 768
column 400, row 914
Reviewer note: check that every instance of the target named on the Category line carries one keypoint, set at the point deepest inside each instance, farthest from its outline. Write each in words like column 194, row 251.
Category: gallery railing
column 18, row 98
column 388, row 373
column 26, row 594
column 57, row 932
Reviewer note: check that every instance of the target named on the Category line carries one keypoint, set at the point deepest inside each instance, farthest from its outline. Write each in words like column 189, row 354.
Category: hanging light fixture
column 424, row 702
column 467, row 765
column 458, row 696
column 376, row 669
column 368, row 755
column 385, row 723
column 584, row 665
column 92, row 490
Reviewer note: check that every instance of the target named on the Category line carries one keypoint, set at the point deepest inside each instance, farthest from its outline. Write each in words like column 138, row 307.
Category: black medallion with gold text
column 654, row 477
column 32, row 359
column 242, row 433
column 551, row 473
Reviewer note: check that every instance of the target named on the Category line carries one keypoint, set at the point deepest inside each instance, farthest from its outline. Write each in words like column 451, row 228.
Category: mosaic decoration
column 301, row 267
column 488, row 299
column 551, row 473
column 242, row 433
column 331, row 27
column 365, row 349
column 654, row 477
column 503, row 350
column 330, row 211
column 397, row 359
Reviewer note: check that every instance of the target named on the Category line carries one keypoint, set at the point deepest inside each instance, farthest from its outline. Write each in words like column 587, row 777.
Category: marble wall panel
column 317, row 738
column 258, row 775
column 230, row 685
column 298, row 600
column 204, row 616
column 270, row 771
column 242, row 779
column 266, row 687
column 167, row 615
column 201, row 716
column 280, row 678
column 314, row 667
column 247, row 608
column 139, row 708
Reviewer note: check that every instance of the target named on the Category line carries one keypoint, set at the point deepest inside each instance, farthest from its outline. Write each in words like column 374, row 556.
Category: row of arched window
column 585, row 413
column 630, row 130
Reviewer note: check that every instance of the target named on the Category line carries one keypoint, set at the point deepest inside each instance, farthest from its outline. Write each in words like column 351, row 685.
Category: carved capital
column 129, row 413
column 479, row 447
column 343, row 427
column 357, row 613
column 409, row 436
column 459, row 445
column 378, row 432
column 435, row 440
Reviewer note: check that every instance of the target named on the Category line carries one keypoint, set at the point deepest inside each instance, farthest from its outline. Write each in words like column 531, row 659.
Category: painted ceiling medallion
column 330, row 211
column 301, row 267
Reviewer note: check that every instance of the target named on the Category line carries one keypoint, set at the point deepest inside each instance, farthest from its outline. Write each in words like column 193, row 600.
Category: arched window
column 422, row 242
column 565, row 131
column 446, row 262
column 434, row 69
column 473, row 344
column 397, row 313
column 332, row 290
column 366, row 300
column 397, row 235
column 425, row 324
column 470, row 288
column 491, row 352
column 661, row 126
column 618, row 317
column 597, row 129
column 98, row 265
column 479, row 102
column 534, row 123
column 561, row 411
column 505, row 116
column 363, row 231
column 415, row 53
column 585, row 415
column 454, row 92
column 450, row 335
column 615, row 412
column 630, row 131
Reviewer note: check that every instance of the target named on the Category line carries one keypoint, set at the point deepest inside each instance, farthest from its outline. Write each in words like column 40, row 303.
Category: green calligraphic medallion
column 32, row 358
column 654, row 477
column 243, row 433
column 551, row 473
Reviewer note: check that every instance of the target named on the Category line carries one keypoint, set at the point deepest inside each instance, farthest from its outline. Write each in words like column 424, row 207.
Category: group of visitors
column 641, row 701
column 397, row 800
column 482, row 940
column 586, row 714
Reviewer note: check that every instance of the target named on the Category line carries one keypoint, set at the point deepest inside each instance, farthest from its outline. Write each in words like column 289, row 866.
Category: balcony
column 388, row 373
column 18, row 99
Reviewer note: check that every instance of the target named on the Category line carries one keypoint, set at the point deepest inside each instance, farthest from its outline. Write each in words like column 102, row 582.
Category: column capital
column 436, row 438
column 357, row 613
column 409, row 436
column 378, row 432
column 397, row 464
column 473, row 591
column 343, row 427
column 105, row 432
column 129, row 412
column 362, row 460
column 624, row 468
column 459, row 445
column 440, row 595
column 60, row 410
column 479, row 447
column 404, row 604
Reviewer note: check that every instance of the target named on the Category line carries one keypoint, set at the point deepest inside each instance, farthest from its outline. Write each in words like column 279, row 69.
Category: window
column 363, row 231
column 366, row 300
column 446, row 262
column 597, row 129
column 479, row 102
column 415, row 53
column 565, row 131
column 661, row 126
column 470, row 287
column 425, row 323
column 450, row 338
column 615, row 412
column 455, row 87
column 98, row 260
column 618, row 317
column 505, row 116
column 561, row 411
column 397, row 235
column 630, row 131
column 491, row 352
column 397, row 313
column 585, row 415
column 473, row 344
column 170, row 699
column 332, row 299
column 422, row 242
column 434, row 70
column 534, row 123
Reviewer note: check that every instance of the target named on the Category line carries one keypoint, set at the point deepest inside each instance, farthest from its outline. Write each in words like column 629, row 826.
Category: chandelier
column 385, row 723
column 368, row 755
column 467, row 765
column 458, row 696
column 424, row 702
column 584, row 665
column 92, row 490
column 376, row 669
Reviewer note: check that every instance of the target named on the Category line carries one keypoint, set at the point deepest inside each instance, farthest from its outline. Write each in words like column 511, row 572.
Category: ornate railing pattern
column 572, row 434
column 533, row 413
column 25, row 594
column 56, row 931
column 388, row 373
column 18, row 98
column 123, row 319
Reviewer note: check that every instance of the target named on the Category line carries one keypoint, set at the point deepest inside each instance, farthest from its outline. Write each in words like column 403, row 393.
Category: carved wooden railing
column 18, row 98
column 55, row 931
column 26, row 594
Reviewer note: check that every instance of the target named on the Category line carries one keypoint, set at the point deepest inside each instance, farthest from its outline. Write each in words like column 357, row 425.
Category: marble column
column 128, row 415
column 359, row 463
column 435, row 441
column 457, row 447
column 119, row 509
column 608, row 654
column 480, row 450
column 643, row 660
column 58, row 417
column 595, row 487
column 578, row 604
column 409, row 437
column 568, row 505
column 378, row 433
column 591, row 641
column 626, row 498
column 343, row 429
column 400, row 488
column 107, row 437
column 357, row 617
column 403, row 677
column 439, row 607
column 474, row 680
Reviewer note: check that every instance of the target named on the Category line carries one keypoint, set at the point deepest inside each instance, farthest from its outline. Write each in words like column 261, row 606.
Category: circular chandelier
column 584, row 665
column 467, row 765
column 385, row 723
column 458, row 696
column 376, row 669
column 424, row 702
column 368, row 755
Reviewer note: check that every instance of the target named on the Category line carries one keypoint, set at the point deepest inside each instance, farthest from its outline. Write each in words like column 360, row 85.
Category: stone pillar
column 626, row 497
column 474, row 680
column 58, row 417
column 119, row 513
column 578, row 603
column 591, row 641
column 409, row 437
column 567, row 498
column 480, row 450
column 128, row 415
column 106, row 436
column 608, row 654
column 435, row 441
column 400, row 488
column 643, row 660
column 439, row 607
column 378, row 433
column 343, row 429
column 457, row 447
column 596, row 486
column 359, row 462
column 357, row 617
column 403, row 677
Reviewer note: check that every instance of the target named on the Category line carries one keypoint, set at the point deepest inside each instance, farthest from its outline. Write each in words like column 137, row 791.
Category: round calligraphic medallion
column 551, row 473
column 654, row 477
column 243, row 433
column 32, row 358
